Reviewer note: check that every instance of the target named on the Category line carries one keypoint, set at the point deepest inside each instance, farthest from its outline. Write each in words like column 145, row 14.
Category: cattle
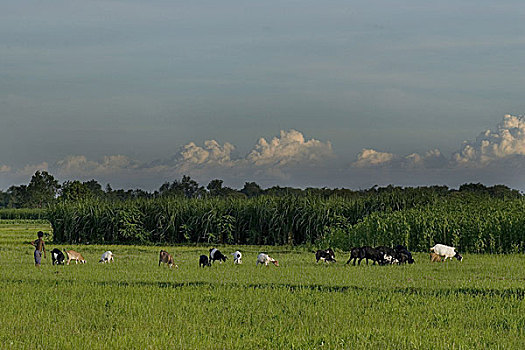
column 166, row 258
column 446, row 252
column 367, row 253
column 106, row 257
column 435, row 257
column 73, row 255
column 326, row 255
column 216, row 254
column 265, row 259
column 57, row 256
column 203, row 261
column 237, row 256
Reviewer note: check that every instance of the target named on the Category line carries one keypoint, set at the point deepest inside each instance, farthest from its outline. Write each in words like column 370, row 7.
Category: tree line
column 44, row 190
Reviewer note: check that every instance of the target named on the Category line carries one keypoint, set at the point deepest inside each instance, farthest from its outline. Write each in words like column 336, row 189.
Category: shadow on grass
column 516, row 293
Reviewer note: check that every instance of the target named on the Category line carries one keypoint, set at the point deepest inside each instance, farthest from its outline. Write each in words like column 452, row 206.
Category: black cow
column 58, row 257
column 367, row 253
column 215, row 254
column 203, row 261
column 326, row 255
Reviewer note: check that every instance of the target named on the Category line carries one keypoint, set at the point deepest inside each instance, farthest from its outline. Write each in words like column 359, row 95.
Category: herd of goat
column 381, row 255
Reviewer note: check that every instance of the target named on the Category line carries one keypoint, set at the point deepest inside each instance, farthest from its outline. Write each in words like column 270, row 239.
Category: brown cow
column 165, row 257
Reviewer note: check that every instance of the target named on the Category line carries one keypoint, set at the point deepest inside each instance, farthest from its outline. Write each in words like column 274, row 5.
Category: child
column 39, row 247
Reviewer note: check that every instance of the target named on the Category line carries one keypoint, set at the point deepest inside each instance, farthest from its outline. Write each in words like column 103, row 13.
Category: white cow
column 237, row 256
column 106, row 257
column 265, row 259
column 446, row 251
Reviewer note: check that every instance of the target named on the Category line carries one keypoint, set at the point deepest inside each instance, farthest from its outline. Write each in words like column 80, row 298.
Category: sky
column 291, row 93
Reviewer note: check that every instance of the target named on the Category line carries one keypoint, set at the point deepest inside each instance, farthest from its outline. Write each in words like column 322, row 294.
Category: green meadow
column 133, row 303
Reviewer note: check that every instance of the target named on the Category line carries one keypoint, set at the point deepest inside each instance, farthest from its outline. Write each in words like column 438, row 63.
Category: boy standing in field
column 39, row 247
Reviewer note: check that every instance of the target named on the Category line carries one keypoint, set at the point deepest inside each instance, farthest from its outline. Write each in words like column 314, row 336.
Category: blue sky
column 353, row 93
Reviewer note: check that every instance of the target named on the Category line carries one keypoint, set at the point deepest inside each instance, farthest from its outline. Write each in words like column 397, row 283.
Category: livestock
column 435, row 257
column 216, row 254
column 57, row 256
column 367, row 253
column 237, row 256
column 446, row 251
column 106, row 257
column 402, row 250
column 390, row 256
column 73, row 255
column 326, row 255
column 265, row 259
column 203, row 261
column 165, row 257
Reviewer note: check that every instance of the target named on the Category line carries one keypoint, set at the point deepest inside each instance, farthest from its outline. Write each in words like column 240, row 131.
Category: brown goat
column 165, row 257
column 435, row 257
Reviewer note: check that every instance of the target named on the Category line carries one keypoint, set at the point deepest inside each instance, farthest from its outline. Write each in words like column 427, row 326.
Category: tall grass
column 471, row 223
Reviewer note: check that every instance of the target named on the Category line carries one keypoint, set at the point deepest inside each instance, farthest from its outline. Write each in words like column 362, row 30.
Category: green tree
column 42, row 189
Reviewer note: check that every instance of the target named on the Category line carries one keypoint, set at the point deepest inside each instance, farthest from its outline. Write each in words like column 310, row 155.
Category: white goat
column 446, row 251
column 237, row 256
column 265, row 259
column 106, row 257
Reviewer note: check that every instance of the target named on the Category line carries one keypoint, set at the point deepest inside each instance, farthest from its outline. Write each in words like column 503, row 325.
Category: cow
column 73, row 255
column 265, row 259
column 203, row 261
column 106, row 257
column 57, row 256
column 237, row 256
column 367, row 253
column 435, row 257
column 446, row 251
column 326, row 255
column 165, row 257
column 216, row 254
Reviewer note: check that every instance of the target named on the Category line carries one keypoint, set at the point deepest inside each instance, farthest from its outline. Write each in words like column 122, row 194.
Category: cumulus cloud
column 507, row 141
column 213, row 153
column 288, row 149
column 372, row 158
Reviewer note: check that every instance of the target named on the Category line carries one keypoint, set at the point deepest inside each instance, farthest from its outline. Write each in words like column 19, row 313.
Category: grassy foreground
column 133, row 303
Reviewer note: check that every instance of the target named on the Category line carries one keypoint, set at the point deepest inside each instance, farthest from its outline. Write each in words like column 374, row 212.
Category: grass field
column 132, row 303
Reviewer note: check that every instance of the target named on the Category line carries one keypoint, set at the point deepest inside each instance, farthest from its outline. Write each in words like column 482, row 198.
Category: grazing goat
column 326, row 255
column 237, row 256
column 366, row 253
column 203, row 261
column 446, row 251
column 106, row 257
column 216, row 254
column 434, row 257
column 165, row 257
column 263, row 258
column 73, row 255
column 57, row 256
column 404, row 255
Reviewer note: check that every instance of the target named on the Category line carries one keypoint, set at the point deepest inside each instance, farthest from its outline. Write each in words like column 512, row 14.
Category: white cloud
column 291, row 148
column 507, row 141
column 372, row 158
column 211, row 154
